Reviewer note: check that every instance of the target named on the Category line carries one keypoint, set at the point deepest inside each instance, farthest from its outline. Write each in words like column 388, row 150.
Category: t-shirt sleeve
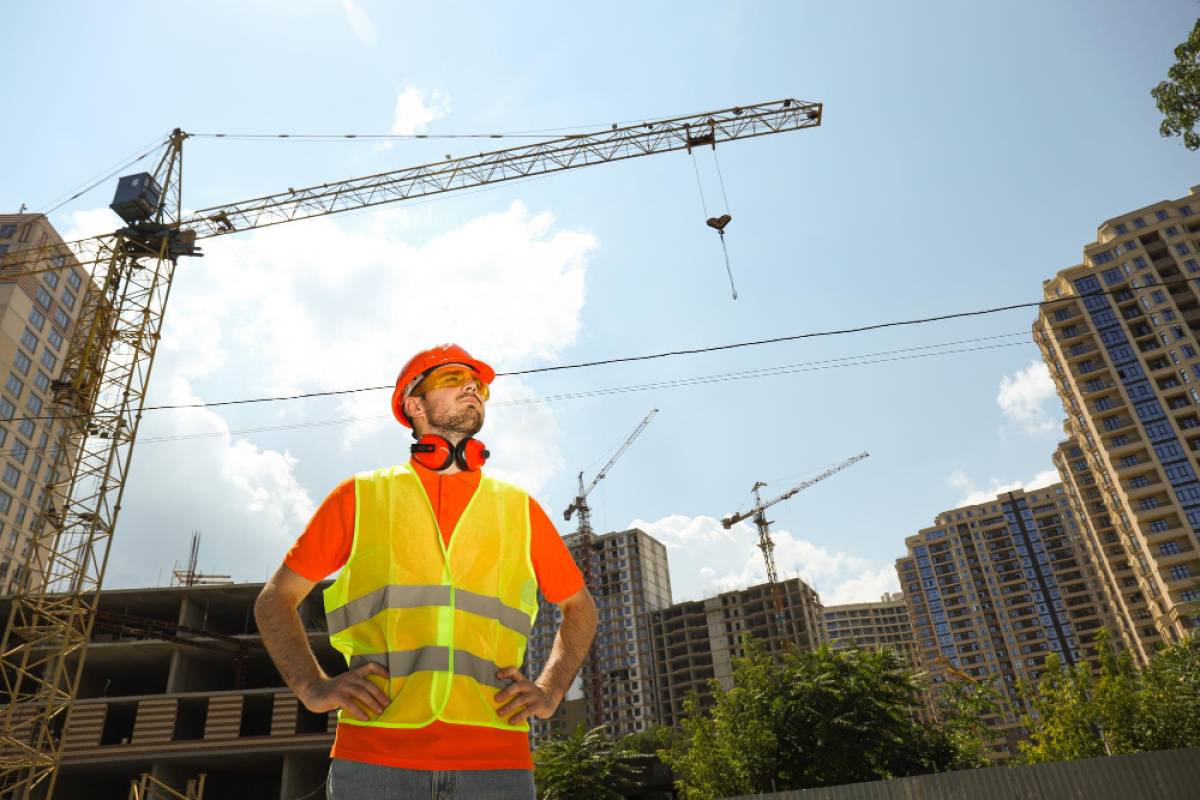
column 557, row 575
column 325, row 544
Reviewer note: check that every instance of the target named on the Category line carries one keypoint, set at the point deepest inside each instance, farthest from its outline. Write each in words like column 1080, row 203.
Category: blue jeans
column 356, row 780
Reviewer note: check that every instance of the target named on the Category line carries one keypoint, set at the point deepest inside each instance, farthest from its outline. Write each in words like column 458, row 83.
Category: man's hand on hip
column 350, row 691
column 525, row 698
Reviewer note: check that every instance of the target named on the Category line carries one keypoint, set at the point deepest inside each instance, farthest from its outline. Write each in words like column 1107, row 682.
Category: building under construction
column 177, row 683
column 872, row 626
column 632, row 580
column 696, row 641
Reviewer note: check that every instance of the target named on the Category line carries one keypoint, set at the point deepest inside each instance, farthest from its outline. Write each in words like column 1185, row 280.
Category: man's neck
column 453, row 437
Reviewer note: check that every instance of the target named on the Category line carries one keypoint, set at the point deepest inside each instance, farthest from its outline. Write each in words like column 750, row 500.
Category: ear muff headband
column 434, row 452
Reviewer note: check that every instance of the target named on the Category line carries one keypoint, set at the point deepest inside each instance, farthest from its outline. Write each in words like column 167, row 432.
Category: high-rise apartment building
column 696, row 641
column 1119, row 337
column 37, row 315
column 633, row 579
column 872, row 626
column 993, row 589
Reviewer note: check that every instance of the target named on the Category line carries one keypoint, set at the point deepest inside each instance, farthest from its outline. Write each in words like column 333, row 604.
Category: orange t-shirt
column 325, row 546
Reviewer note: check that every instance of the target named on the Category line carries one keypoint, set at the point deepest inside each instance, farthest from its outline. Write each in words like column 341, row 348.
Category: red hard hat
column 426, row 361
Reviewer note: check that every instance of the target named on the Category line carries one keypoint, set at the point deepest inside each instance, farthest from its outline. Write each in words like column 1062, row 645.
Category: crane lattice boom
column 733, row 519
column 583, row 493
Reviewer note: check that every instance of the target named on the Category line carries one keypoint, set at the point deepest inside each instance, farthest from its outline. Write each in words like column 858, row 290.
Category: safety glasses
column 450, row 377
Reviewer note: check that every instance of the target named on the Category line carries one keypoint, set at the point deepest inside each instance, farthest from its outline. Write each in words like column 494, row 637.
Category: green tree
column 1178, row 97
column 581, row 766
column 814, row 719
column 1168, row 708
column 964, row 709
column 1083, row 713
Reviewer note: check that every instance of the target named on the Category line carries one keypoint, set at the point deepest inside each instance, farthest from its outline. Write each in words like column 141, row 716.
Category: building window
column 11, row 475
column 25, row 426
column 1160, row 525
column 22, row 362
column 1160, row 214
column 1168, row 548
column 7, row 231
column 1138, row 222
column 49, row 360
column 41, row 381
column 1158, row 296
column 1129, row 461
column 1121, row 229
column 61, row 318
column 1182, row 249
column 1171, row 231
column 43, row 298
column 34, row 403
column 52, row 279
column 68, row 299
column 1149, row 503
column 55, row 338
column 1181, row 572
column 30, row 340
column 1103, row 257
column 73, row 280
column 14, row 385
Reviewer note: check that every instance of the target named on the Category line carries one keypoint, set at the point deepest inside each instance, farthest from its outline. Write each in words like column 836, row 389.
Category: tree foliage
column 1079, row 712
column 1178, row 97
column 581, row 766
column 815, row 719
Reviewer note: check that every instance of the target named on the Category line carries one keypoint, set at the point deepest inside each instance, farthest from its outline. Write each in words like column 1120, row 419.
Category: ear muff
column 433, row 452
column 470, row 454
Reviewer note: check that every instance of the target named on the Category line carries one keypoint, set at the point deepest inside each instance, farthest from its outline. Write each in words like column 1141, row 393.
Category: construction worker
column 437, row 594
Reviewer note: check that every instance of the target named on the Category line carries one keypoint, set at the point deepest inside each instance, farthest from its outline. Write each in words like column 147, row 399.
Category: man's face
column 454, row 409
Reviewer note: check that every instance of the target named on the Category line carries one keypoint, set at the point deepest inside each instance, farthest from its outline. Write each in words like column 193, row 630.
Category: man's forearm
column 287, row 642
column 571, row 645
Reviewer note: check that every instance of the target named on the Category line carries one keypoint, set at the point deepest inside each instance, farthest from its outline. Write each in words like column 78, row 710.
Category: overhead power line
column 864, row 359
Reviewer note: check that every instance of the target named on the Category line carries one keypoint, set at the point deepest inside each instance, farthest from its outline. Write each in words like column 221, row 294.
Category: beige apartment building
column 1118, row 334
column 993, row 589
column 872, row 626
column 696, row 641
column 632, row 580
column 37, row 316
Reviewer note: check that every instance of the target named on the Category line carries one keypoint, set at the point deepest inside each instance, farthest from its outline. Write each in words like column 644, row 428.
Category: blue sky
column 968, row 151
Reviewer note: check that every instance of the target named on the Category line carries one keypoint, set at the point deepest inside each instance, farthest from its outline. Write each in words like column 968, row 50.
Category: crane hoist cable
column 716, row 223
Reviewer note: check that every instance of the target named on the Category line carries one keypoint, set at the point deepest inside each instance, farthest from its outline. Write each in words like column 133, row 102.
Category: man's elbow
column 581, row 608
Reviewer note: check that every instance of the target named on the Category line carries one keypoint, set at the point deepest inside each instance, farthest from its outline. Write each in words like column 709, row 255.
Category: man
column 437, row 593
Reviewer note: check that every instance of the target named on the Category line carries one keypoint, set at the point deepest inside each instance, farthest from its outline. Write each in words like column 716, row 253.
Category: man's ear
column 414, row 406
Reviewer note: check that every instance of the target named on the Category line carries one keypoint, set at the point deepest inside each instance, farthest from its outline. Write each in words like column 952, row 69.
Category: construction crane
column 594, row 683
column 99, row 395
column 758, row 512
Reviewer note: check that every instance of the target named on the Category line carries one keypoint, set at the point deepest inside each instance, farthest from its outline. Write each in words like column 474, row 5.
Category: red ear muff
column 470, row 454
column 433, row 452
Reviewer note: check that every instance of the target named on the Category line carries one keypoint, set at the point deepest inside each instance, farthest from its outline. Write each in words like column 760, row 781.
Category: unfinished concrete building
column 696, row 641
column 872, row 626
column 633, row 580
column 176, row 682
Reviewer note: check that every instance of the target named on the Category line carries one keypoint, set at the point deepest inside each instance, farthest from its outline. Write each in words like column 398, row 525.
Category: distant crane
column 594, row 685
column 758, row 512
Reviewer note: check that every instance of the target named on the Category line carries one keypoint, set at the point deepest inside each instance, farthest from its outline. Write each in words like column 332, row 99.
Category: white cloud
column 360, row 24
column 415, row 110
column 974, row 495
column 1027, row 398
column 706, row 560
column 320, row 305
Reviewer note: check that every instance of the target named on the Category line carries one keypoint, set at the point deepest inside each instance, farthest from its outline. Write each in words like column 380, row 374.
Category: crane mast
column 763, row 526
column 98, row 398
column 594, row 681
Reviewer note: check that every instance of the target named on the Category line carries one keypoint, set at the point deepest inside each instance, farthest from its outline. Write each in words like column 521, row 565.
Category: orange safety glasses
column 452, row 376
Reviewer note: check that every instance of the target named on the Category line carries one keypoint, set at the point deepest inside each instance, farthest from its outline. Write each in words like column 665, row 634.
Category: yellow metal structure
column 100, row 393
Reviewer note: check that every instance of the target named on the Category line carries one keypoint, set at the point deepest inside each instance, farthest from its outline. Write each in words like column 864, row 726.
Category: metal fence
column 1161, row 775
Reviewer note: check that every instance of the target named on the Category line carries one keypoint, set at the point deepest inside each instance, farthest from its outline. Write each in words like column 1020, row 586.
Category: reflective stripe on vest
column 443, row 620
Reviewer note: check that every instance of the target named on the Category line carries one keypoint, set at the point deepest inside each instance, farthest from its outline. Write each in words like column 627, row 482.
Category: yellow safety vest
column 442, row 620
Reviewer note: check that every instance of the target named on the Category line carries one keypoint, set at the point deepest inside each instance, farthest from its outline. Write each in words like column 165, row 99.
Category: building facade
column 177, row 682
column 696, row 641
column 993, row 589
column 872, row 626
column 633, row 580
column 37, row 317
column 1118, row 333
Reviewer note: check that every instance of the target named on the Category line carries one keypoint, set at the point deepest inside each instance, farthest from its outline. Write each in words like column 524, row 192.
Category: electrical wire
column 865, row 359
column 74, row 194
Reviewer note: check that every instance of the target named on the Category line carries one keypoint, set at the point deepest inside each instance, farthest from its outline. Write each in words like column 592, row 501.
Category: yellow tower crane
column 758, row 512
column 98, row 397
